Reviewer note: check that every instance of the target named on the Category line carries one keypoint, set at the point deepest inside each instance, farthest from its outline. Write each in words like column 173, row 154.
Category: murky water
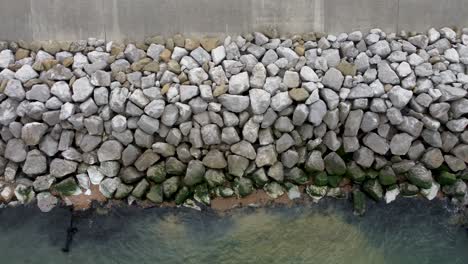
column 407, row 231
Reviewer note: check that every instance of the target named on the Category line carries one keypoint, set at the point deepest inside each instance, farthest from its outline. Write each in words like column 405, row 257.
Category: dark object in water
column 70, row 232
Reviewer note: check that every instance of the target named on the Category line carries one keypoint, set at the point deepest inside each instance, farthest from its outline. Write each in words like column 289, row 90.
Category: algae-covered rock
column 408, row 189
column 170, row 186
column 140, row 189
column 123, row 190
column 67, row 187
column 175, row 166
column 214, row 178
column 155, row 194
column 458, row 189
column 359, row 202
column 260, row 178
column 182, row 195
column 201, row 194
column 334, row 180
column 195, row 173
column 321, row 179
column 373, row 189
column 446, row 178
column 464, row 175
column 387, row 176
column 24, row 194
column 244, row 186
column 336, row 192
column 316, row 192
column 334, row 164
column 355, row 172
column 156, row 173
column 130, row 175
column 108, row 186
column 296, row 175
column 226, row 191
column 420, row 176
column 372, row 174
column 432, row 192
column 274, row 189
column 293, row 191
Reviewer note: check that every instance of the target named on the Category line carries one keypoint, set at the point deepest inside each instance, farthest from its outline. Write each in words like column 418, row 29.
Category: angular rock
column 266, row 156
column 244, row 149
column 60, row 167
column 82, row 89
column 36, row 163
column 259, row 100
column 400, row 97
column 110, row 150
column 334, row 164
column 400, row 144
column 234, row 103
column 333, row 79
column 420, row 176
column 214, row 159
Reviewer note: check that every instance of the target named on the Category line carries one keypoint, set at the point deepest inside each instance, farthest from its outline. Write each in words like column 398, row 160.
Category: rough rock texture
column 176, row 119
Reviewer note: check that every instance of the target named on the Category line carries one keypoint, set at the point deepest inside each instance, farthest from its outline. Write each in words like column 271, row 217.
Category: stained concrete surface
column 134, row 19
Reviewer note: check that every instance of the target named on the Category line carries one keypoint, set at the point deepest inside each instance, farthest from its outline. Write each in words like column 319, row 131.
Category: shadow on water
column 407, row 231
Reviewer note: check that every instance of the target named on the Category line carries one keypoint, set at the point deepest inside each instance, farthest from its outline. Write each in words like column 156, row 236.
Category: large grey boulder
column 334, row 164
column 381, row 48
column 266, row 156
column 211, row 134
column 60, row 168
column 317, row 112
column 234, row 103
column 36, row 163
column 244, row 149
column 214, row 159
column 82, row 89
column 376, row 143
column 333, row 79
column 386, row 74
column 353, row 123
column 280, row 101
column 15, row 150
column 259, row 100
column 400, row 97
column 239, row 83
column 195, row 173
column 400, row 144
column 14, row 90
column 237, row 165
column 46, row 201
column 315, row 162
column 38, row 92
column 110, row 150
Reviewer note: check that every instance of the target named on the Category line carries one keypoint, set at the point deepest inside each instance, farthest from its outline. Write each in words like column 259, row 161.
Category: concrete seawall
column 119, row 19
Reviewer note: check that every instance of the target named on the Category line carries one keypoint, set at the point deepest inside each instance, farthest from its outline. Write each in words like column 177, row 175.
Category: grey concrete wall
column 119, row 19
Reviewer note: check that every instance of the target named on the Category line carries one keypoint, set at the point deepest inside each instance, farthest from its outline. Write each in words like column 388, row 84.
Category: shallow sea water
column 406, row 231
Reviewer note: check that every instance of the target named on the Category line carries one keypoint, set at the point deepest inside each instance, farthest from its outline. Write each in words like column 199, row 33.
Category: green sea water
column 407, row 231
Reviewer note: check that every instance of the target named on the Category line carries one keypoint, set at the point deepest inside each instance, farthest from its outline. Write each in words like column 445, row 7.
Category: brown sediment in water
column 83, row 202
column 258, row 198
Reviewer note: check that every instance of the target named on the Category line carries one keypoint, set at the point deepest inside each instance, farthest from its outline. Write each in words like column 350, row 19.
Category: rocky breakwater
column 171, row 119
